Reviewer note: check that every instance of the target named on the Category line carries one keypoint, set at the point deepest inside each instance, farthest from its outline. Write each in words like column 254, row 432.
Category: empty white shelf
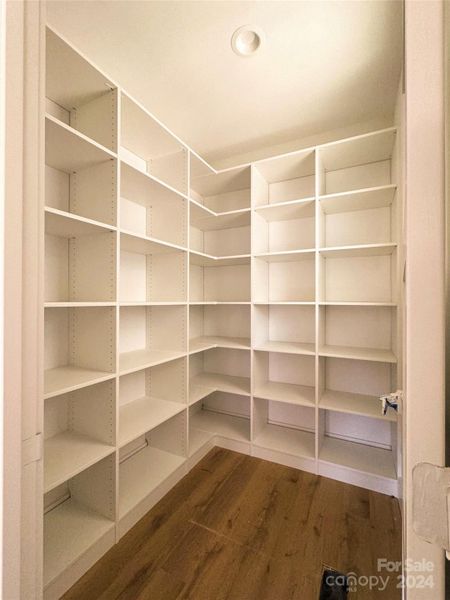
column 287, row 303
column 213, row 302
column 206, row 342
column 142, row 415
column 364, row 199
column 143, row 472
column 70, row 530
column 77, row 304
column 67, row 379
column 289, row 256
column 393, row 304
column 229, row 426
column 357, row 404
column 69, row 150
column 207, row 260
column 198, row 392
column 354, row 352
column 200, row 211
column 141, row 244
column 287, row 347
column 224, row 220
column 68, row 225
column 359, row 457
column 223, row 383
column 358, row 251
column 285, row 392
column 283, row 211
column 287, row 440
column 67, row 454
column 197, row 439
column 141, row 359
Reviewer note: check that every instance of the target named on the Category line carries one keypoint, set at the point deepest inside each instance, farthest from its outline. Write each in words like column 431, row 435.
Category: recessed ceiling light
column 246, row 40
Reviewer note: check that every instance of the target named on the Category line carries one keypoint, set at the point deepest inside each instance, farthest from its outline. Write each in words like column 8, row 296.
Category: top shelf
column 71, row 81
column 360, row 150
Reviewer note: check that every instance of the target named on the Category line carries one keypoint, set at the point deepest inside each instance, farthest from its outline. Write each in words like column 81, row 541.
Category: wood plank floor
column 240, row 528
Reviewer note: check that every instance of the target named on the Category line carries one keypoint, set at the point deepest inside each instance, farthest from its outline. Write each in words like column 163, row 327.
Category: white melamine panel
column 151, row 209
column 356, row 163
column 149, row 397
column 279, row 235
column 370, row 226
column 79, row 430
column 223, row 192
column 222, row 414
column 150, row 335
column 220, row 284
column 148, row 461
column 283, row 179
column 157, row 150
column 362, row 332
column 79, row 261
column 358, row 278
column 285, row 329
column 220, row 325
column 79, row 347
column 358, row 428
column 220, row 369
column 285, row 377
column 284, row 281
column 82, row 520
column 153, row 277
column 294, row 441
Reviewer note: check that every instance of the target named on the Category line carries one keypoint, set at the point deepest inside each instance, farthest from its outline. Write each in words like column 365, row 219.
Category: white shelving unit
column 254, row 308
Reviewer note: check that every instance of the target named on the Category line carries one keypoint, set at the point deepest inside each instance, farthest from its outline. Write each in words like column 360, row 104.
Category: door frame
column 424, row 410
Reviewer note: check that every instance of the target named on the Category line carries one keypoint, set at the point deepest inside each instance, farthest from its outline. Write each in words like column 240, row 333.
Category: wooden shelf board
column 70, row 530
column 143, row 414
column 69, row 225
column 290, row 256
column 222, row 383
column 141, row 244
column 61, row 380
column 140, row 474
column 229, row 426
column 284, row 211
column 358, row 251
column 197, row 439
column 358, row 457
column 67, row 454
column 353, row 352
column 69, row 150
column 289, row 393
column 142, row 359
column 363, row 199
column 355, row 404
column 225, row 220
column 206, row 342
column 287, row 347
column 207, row 260
column 287, row 440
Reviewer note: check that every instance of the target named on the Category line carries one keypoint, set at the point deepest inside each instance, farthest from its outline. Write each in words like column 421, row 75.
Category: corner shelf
column 202, row 343
column 286, row 440
column 289, row 393
column 286, row 347
column 223, row 383
column 214, row 423
column 129, row 362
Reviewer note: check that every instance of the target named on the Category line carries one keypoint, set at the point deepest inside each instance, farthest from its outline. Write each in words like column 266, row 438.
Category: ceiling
column 324, row 65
